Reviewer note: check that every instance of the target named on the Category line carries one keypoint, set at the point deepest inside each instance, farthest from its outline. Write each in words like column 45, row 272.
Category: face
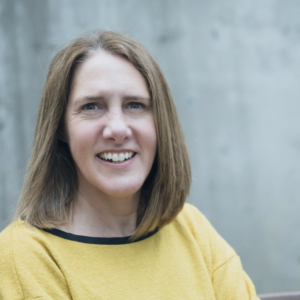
column 109, row 126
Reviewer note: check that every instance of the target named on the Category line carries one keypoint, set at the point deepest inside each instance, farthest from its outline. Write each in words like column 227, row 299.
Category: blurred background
column 233, row 67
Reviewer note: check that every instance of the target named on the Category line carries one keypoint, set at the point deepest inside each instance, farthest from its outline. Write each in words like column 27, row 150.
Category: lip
column 119, row 165
column 116, row 151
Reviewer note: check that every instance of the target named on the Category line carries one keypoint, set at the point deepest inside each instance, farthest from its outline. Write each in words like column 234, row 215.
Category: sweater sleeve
column 229, row 280
column 10, row 287
column 27, row 270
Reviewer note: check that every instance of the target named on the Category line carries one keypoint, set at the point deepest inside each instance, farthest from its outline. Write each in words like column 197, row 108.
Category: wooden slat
column 281, row 296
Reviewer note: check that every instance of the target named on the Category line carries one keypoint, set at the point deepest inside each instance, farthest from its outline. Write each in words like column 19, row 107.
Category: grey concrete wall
column 233, row 67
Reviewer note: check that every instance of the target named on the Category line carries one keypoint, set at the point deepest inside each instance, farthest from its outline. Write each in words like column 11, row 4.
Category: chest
column 149, row 270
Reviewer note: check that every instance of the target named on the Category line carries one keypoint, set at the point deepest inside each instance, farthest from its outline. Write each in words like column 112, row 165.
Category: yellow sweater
column 185, row 260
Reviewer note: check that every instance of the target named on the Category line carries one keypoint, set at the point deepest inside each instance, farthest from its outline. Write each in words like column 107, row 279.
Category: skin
column 109, row 110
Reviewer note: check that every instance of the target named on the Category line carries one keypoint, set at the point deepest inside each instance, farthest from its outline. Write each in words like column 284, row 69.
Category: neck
column 98, row 215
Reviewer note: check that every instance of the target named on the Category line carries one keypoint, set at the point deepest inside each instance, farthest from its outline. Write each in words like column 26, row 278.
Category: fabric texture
column 186, row 259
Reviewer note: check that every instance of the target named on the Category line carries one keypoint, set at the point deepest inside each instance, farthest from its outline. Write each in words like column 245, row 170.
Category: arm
column 229, row 280
column 27, row 270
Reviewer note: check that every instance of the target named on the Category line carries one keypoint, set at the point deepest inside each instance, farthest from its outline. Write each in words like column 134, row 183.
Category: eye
column 136, row 105
column 90, row 106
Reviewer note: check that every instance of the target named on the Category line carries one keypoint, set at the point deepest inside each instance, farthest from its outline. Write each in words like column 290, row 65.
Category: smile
column 116, row 157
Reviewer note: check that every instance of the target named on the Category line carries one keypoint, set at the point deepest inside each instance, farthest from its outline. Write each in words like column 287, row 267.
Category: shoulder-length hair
column 50, row 184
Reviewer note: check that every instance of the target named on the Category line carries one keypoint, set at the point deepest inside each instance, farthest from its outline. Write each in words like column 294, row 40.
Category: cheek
column 153, row 140
column 81, row 139
column 150, row 138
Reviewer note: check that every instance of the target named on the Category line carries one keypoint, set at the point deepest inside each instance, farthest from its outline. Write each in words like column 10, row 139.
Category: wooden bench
column 280, row 296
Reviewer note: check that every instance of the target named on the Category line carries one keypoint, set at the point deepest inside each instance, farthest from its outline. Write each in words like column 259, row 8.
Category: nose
column 116, row 129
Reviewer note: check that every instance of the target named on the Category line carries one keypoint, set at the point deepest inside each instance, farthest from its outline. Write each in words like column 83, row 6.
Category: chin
column 121, row 194
column 121, row 191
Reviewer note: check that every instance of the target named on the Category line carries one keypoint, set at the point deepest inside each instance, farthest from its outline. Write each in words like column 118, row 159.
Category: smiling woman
column 102, row 213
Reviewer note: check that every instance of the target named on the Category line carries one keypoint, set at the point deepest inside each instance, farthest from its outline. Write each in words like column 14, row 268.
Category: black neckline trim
column 97, row 240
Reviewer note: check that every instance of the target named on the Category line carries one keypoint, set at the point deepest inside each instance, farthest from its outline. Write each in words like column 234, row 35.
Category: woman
column 102, row 214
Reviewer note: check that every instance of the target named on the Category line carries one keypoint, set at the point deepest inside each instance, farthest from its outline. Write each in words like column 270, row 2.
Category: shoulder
column 220, row 258
column 193, row 220
column 10, row 237
column 18, row 240
column 26, row 260
column 23, row 246
column 10, row 287
column 191, row 214
column 197, row 229
column 6, row 237
column 18, row 237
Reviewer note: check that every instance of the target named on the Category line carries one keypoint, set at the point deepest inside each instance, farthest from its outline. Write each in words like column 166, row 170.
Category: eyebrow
column 137, row 98
column 86, row 99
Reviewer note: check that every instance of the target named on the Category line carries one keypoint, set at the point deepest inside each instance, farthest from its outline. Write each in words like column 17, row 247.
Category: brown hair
column 51, row 182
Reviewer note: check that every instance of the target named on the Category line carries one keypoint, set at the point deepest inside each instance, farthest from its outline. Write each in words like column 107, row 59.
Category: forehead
column 107, row 73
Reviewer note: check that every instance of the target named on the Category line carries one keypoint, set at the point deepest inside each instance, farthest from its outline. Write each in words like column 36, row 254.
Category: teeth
column 115, row 157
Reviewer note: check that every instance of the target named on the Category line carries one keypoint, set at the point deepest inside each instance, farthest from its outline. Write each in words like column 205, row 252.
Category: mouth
column 116, row 157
